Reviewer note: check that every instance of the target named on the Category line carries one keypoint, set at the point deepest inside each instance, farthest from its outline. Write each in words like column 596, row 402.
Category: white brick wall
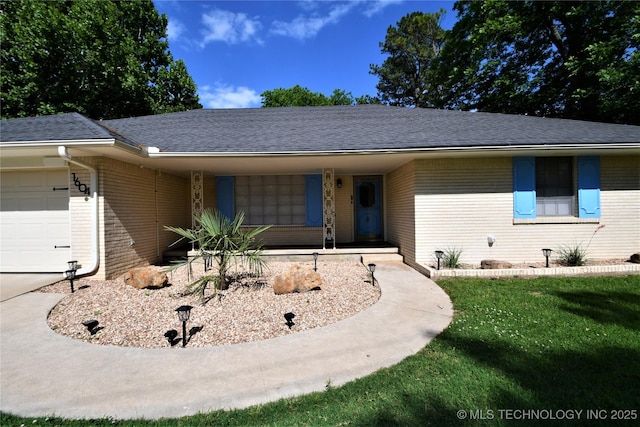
column 400, row 209
column 459, row 202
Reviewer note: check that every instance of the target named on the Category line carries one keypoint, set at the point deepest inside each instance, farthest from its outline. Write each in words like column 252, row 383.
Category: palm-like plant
column 217, row 236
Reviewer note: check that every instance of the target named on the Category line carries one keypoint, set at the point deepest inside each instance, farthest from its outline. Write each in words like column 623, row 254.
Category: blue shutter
column 313, row 197
column 524, row 187
column 225, row 196
column 589, row 187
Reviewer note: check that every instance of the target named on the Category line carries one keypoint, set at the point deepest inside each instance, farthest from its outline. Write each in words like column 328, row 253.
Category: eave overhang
column 295, row 162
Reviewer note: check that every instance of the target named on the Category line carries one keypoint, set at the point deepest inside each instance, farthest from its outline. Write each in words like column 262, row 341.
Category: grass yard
column 517, row 349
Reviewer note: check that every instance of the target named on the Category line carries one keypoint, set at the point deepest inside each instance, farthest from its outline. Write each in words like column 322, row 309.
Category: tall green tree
column 406, row 73
column 298, row 96
column 104, row 59
column 577, row 60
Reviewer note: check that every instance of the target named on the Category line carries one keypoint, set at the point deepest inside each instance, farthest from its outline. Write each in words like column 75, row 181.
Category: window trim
column 587, row 192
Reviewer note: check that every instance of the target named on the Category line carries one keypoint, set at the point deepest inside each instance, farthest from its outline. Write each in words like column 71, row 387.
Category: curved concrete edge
column 45, row 374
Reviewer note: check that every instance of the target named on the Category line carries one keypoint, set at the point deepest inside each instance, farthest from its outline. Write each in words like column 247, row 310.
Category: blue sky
column 235, row 50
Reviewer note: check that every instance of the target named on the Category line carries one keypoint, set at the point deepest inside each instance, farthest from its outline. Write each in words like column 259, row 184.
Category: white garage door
column 34, row 221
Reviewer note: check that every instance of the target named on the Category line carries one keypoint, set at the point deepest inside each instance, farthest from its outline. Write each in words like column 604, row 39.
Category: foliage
column 514, row 344
column 104, row 59
column 411, row 46
column 451, row 257
column 575, row 256
column 576, row 60
column 572, row 256
column 299, row 96
column 224, row 240
column 368, row 99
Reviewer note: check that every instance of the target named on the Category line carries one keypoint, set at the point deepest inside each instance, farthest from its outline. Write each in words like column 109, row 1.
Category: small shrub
column 572, row 256
column 451, row 257
column 576, row 256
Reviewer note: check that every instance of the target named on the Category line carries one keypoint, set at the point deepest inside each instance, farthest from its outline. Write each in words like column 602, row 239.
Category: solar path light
column 439, row 256
column 70, row 274
column 372, row 269
column 184, row 311
column 315, row 261
column 547, row 254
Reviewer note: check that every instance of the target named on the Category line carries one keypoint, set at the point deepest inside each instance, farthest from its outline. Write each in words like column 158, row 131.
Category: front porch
column 362, row 252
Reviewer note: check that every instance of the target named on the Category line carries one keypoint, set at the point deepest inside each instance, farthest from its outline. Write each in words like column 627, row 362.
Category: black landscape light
column 439, row 256
column 70, row 274
column 207, row 256
column 372, row 269
column 547, row 254
column 315, row 261
column 184, row 311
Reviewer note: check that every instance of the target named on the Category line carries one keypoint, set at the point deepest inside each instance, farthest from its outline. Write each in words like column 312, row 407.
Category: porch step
column 342, row 254
column 386, row 257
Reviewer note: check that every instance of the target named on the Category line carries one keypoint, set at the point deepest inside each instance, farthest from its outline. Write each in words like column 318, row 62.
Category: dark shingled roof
column 58, row 127
column 322, row 129
column 360, row 128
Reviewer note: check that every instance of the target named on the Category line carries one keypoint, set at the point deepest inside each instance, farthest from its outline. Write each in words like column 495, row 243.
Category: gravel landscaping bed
column 247, row 311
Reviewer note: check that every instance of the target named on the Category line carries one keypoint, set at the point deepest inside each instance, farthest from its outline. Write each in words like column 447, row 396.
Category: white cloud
column 305, row 27
column 226, row 96
column 378, row 6
column 175, row 29
column 229, row 27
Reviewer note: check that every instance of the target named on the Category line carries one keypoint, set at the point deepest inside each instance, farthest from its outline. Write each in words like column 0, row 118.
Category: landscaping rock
column 635, row 258
column 296, row 279
column 492, row 264
column 146, row 277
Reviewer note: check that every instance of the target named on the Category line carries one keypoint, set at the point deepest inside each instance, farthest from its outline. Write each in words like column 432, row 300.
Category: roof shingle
column 320, row 129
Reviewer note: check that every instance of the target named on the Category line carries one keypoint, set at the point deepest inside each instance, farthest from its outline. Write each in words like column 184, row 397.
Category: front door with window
column 368, row 208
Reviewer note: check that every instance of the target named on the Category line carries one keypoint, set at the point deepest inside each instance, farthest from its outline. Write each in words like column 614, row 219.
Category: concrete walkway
column 43, row 373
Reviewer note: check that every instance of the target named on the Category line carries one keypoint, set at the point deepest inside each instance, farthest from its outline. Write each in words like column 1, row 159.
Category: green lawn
column 516, row 349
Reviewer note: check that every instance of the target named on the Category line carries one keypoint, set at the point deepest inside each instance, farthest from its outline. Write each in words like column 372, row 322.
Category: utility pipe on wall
column 95, row 245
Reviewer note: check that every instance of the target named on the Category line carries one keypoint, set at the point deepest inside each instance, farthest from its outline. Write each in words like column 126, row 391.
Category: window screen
column 554, row 186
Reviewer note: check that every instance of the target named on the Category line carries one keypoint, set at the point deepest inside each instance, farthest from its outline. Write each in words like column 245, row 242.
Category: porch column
column 328, row 208
column 196, row 196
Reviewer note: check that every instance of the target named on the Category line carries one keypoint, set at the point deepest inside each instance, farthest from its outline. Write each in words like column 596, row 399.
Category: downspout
column 95, row 247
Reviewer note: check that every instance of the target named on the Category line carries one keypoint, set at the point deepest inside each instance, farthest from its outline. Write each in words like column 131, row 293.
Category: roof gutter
column 156, row 153
column 79, row 143
column 95, row 247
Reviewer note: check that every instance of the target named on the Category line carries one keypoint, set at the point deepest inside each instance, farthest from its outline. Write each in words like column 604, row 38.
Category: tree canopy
column 411, row 46
column 577, row 60
column 298, row 96
column 104, row 59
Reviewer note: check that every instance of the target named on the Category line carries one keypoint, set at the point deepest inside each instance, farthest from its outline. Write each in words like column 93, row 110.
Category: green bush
column 572, row 256
column 451, row 257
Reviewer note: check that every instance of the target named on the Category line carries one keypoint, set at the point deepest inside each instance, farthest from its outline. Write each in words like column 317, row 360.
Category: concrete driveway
column 15, row 284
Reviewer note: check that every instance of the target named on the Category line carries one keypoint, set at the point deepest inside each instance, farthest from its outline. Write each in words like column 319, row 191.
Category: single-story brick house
column 101, row 192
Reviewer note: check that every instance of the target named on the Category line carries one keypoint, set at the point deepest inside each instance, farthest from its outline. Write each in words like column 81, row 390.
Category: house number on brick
column 81, row 187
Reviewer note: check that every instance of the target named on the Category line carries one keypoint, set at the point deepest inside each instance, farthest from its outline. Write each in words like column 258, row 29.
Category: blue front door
column 368, row 208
